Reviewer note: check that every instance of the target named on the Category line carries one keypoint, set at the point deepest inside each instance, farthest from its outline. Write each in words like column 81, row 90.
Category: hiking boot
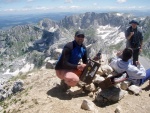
column 120, row 79
column 64, row 86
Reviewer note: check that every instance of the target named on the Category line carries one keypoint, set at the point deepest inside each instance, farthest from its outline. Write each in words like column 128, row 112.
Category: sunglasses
column 80, row 36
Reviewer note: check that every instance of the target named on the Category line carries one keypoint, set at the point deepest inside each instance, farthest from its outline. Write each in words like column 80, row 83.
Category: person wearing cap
column 134, row 39
column 69, row 60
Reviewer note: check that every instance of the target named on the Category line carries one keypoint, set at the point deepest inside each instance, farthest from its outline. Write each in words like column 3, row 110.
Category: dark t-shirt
column 136, row 40
column 71, row 54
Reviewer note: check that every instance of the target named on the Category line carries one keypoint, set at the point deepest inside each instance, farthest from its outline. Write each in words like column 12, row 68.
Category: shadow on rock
column 83, row 94
column 104, row 103
column 147, row 88
column 109, row 96
column 57, row 92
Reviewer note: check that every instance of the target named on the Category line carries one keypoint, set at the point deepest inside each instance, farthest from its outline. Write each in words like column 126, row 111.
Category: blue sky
column 40, row 6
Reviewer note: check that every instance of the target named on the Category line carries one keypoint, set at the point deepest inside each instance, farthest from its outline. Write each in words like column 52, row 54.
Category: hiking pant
column 147, row 77
column 69, row 77
column 135, row 55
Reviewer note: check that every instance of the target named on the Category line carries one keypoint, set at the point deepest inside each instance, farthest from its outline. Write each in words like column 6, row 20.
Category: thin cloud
column 74, row 7
column 95, row 4
column 124, row 8
column 30, row 0
column 12, row 1
column 121, row 1
column 68, row 1
column 8, row 1
column 41, row 8
column 10, row 10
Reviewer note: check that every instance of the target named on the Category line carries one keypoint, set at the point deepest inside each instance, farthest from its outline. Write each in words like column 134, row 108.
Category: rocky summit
column 42, row 94
column 24, row 49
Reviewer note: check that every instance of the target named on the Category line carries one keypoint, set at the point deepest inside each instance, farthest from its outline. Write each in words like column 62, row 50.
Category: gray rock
column 135, row 89
column 88, row 105
column 18, row 86
column 118, row 109
column 1, row 108
column 1, row 97
column 111, row 94
column 124, row 85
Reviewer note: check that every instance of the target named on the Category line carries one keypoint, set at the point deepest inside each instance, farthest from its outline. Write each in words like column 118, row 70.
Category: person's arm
column 141, row 45
column 128, row 34
column 84, row 58
column 138, row 72
column 65, row 58
column 141, row 41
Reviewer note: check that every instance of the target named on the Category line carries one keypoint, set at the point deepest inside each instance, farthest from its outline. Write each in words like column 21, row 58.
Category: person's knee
column 71, row 79
column 60, row 74
column 72, row 83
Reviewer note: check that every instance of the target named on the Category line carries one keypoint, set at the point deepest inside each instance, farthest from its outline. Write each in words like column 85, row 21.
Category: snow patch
column 104, row 31
column 52, row 29
column 11, row 73
column 119, row 14
column 28, row 67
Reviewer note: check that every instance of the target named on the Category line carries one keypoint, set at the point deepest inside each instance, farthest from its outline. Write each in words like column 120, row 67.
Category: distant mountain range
column 8, row 21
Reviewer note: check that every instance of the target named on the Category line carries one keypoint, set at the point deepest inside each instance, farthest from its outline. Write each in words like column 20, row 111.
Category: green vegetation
column 146, row 53
column 91, row 32
column 147, row 36
column 38, row 58
column 22, row 77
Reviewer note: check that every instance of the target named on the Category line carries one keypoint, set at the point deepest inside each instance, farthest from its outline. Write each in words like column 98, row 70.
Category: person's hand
column 81, row 67
column 131, row 33
column 138, row 63
column 119, row 53
column 140, row 50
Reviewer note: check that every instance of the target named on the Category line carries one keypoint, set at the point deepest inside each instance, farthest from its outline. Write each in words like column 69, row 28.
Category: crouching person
column 69, row 61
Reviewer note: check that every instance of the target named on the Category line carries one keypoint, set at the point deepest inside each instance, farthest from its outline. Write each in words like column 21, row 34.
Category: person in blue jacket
column 69, row 60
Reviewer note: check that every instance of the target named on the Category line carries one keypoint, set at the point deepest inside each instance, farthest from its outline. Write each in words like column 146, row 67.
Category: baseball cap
column 79, row 33
column 134, row 22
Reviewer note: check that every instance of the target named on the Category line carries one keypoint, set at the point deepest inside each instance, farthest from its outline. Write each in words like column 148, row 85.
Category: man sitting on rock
column 122, row 63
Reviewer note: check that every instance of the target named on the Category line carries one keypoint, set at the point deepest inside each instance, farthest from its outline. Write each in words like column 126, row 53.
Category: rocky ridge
column 32, row 44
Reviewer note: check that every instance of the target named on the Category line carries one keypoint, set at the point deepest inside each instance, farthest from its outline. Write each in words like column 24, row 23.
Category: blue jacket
column 71, row 55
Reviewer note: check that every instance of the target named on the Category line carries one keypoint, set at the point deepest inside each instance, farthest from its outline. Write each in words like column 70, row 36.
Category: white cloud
column 30, row 0
column 8, row 1
column 74, row 7
column 95, row 4
column 68, row 8
column 41, row 8
column 26, row 9
column 68, row 1
column 10, row 10
column 12, row 1
column 121, row 1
